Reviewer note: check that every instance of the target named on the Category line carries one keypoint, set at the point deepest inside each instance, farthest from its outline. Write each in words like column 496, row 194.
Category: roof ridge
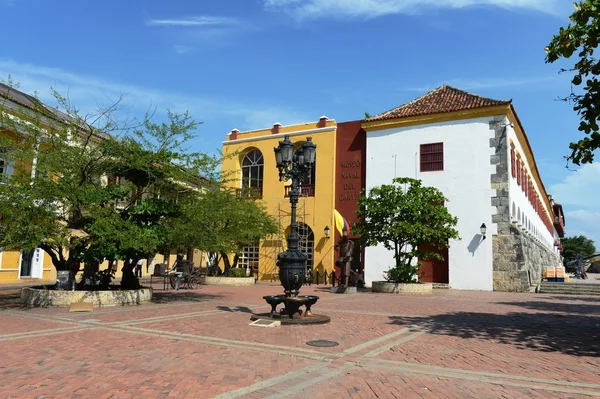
column 442, row 99
column 409, row 102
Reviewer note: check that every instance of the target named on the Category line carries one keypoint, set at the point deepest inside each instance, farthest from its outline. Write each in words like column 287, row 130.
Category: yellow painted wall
column 316, row 212
column 9, row 269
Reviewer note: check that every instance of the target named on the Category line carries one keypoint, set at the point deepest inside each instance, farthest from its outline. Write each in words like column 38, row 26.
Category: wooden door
column 434, row 270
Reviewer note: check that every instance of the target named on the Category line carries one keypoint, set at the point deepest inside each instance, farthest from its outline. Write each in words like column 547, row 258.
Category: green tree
column 581, row 38
column 401, row 216
column 93, row 196
column 577, row 245
column 222, row 221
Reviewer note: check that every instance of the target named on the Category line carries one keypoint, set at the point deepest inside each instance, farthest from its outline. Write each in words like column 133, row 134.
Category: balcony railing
column 252, row 192
column 306, row 190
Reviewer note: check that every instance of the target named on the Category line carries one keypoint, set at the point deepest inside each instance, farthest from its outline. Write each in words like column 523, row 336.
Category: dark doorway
column 434, row 270
column 26, row 263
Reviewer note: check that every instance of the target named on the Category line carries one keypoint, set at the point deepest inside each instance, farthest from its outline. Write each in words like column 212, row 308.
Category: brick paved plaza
column 198, row 344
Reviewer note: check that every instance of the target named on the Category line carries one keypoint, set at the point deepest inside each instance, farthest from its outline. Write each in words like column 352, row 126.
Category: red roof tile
column 443, row 99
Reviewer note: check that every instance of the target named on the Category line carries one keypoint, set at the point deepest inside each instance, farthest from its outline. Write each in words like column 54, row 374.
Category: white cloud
column 578, row 193
column 376, row 8
column 193, row 21
column 583, row 222
column 580, row 188
column 221, row 114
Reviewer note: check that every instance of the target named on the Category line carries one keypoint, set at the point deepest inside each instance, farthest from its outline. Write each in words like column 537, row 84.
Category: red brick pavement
column 450, row 344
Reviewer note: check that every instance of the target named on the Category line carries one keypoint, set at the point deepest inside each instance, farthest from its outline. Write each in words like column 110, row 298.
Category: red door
column 434, row 270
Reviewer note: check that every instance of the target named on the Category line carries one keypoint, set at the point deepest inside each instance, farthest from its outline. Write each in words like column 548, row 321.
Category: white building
column 474, row 150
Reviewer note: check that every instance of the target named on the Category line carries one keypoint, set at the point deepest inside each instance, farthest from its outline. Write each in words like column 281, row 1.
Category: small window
column 432, row 157
column 513, row 162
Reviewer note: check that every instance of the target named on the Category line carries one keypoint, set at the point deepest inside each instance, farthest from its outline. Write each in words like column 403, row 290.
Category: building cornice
column 436, row 118
column 281, row 135
column 528, row 153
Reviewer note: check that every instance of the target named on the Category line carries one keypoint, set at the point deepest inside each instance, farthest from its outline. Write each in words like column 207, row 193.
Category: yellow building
column 21, row 266
column 26, row 267
column 250, row 163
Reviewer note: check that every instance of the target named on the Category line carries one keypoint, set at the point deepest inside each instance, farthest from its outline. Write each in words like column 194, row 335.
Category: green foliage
column 401, row 216
column 577, row 245
column 237, row 272
column 581, row 38
column 95, row 196
column 221, row 221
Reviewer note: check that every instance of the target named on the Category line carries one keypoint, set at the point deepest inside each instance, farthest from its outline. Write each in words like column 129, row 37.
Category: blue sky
column 249, row 63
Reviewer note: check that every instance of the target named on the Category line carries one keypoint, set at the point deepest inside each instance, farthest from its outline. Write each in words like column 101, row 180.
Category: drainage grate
column 322, row 343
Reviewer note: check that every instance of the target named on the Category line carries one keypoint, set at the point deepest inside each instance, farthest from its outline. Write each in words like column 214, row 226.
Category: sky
column 247, row 64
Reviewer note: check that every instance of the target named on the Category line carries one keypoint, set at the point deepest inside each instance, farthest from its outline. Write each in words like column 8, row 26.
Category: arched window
column 252, row 171
column 307, row 243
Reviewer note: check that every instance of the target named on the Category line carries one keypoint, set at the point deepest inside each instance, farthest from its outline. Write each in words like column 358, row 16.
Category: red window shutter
column 432, row 157
column 518, row 171
column 513, row 163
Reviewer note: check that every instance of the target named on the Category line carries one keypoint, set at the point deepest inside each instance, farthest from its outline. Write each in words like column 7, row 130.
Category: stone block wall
column 518, row 258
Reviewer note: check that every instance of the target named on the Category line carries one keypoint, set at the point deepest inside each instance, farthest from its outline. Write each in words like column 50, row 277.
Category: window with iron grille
column 249, row 256
column 432, row 157
column 307, row 243
column 252, row 171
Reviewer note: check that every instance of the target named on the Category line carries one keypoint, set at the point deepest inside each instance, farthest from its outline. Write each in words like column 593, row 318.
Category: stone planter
column 229, row 281
column 397, row 288
column 42, row 297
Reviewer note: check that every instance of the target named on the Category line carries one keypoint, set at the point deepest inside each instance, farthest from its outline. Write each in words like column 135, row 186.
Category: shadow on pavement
column 547, row 332
column 181, row 296
column 582, row 298
column 242, row 309
column 570, row 308
column 10, row 300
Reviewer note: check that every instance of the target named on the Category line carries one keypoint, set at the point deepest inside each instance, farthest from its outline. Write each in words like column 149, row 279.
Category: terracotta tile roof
column 443, row 99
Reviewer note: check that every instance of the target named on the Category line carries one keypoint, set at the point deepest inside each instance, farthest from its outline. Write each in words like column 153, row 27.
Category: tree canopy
column 580, row 39
column 401, row 216
column 223, row 221
column 92, row 188
column 577, row 245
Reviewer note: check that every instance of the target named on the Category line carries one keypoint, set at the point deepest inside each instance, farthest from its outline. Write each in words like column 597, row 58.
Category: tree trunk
column 236, row 258
column 226, row 262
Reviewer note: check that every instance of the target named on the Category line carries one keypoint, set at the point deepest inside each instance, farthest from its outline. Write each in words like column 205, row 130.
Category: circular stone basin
column 306, row 320
column 43, row 297
column 397, row 288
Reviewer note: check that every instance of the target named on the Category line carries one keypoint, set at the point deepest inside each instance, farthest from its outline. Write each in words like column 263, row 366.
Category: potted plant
column 403, row 216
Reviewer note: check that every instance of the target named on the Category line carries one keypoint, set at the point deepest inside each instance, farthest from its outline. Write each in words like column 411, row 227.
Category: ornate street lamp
column 295, row 166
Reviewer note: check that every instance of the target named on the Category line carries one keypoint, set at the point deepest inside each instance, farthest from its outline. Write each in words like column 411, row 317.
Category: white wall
column 525, row 215
column 465, row 181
